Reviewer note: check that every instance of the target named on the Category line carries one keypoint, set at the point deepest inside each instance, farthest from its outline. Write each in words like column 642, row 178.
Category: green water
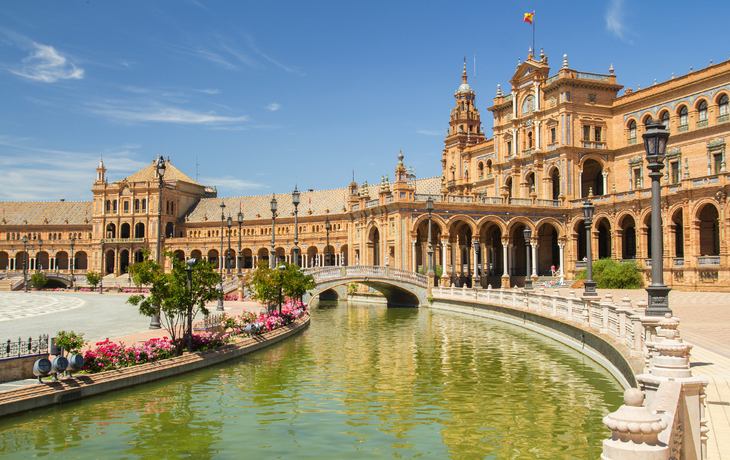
column 362, row 381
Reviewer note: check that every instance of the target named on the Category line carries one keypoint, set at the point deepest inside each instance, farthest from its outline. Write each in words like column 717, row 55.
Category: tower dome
column 464, row 88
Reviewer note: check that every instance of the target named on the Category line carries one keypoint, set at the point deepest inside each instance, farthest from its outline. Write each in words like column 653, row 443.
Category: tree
column 39, row 280
column 264, row 283
column 610, row 274
column 93, row 278
column 169, row 294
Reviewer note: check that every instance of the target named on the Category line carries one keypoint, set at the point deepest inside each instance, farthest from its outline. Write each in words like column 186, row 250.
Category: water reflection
column 362, row 380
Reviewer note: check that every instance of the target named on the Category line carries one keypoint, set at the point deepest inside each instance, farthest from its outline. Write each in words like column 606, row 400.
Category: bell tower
column 100, row 171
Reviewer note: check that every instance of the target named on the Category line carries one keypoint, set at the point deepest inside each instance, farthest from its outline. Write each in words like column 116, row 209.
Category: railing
column 520, row 201
column 682, row 128
column 361, row 271
column 424, row 197
column 389, row 199
column 722, row 118
column 209, row 321
column 554, row 203
column 678, row 261
column 461, row 199
column 124, row 240
column 581, row 264
column 356, row 207
column 701, row 123
column 526, row 152
column 552, row 79
column 230, row 285
column 372, row 203
column 593, row 145
column 490, row 200
column 592, row 76
column 21, row 347
column 708, row 260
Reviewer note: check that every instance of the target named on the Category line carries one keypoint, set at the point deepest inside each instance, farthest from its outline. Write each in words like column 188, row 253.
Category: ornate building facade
column 557, row 140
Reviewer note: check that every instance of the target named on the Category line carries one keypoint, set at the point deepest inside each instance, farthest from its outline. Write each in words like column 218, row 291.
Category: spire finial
column 529, row 53
column 463, row 74
column 565, row 61
column 542, row 54
column 610, row 70
column 400, row 158
column 499, row 90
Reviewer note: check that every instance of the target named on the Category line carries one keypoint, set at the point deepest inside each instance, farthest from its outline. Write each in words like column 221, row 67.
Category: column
column 483, row 251
column 580, row 183
column 538, row 136
column 605, row 182
column 413, row 256
column 505, row 259
column 452, row 259
column 474, row 249
column 514, row 141
column 562, row 260
column 514, row 105
column 534, row 258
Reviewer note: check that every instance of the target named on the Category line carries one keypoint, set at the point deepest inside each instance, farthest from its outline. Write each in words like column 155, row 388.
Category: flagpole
column 533, row 32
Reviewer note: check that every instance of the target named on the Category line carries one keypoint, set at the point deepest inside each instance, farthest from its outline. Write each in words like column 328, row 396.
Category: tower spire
column 463, row 74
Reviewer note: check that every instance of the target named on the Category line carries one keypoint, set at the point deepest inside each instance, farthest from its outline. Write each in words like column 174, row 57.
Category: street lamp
column 327, row 228
column 160, row 166
column 590, row 285
column 295, row 202
column 71, row 262
column 39, row 265
column 221, row 259
column 239, row 258
column 655, row 144
column 25, row 255
column 429, row 208
column 528, row 281
column 229, row 223
column 189, row 271
column 272, row 250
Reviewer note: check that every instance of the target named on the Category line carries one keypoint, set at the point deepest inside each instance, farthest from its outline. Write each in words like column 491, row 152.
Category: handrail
column 361, row 271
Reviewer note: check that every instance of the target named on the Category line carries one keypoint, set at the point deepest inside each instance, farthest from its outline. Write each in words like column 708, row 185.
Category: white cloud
column 210, row 91
column 429, row 132
column 273, row 107
column 164, row 114
column 614, row 20
column 47, row 65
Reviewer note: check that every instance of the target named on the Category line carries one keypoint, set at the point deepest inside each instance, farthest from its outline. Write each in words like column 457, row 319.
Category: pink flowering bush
column 109, row 355
column 206, row 341
column 290, row 312
column 231, row 297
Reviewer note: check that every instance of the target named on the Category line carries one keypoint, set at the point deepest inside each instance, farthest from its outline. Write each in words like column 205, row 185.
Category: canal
column 362, row 380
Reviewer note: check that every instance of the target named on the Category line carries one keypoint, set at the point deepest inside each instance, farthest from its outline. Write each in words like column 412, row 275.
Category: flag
column 528, row 17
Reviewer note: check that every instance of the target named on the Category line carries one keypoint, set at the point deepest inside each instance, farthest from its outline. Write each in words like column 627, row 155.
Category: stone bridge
column 401, row 288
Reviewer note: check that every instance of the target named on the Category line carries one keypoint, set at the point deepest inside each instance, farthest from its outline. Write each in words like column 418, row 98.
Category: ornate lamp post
column 39, row 265
column 429, row 208
column 528, row 281
column 189, row 271
column 221, row 259
column 155, row 321
column 295, row 202
column 590, row 285
column 25, row 255
column 229, row 223
column 655, row 144
column 239, row 259
column 71, row 262
column 272, row 249
column 327, row 228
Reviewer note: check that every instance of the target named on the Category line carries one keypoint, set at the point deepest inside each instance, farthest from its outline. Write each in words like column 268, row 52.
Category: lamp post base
column 528, row 283
column 590, row 289
column 658, row 300
column 155, row 321
column 220, row 303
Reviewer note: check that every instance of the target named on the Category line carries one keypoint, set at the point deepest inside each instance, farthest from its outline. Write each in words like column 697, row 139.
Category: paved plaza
column 704, row 322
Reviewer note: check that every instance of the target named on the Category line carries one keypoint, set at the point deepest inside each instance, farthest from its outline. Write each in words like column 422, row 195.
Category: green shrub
column 93, row 278
column 610, row 274
column 39, row 280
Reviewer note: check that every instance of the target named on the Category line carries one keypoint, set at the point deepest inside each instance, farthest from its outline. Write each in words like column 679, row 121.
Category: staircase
column 6, row 285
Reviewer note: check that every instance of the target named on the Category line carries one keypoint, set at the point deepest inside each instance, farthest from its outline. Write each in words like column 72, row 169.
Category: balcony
column 683, row 128
column 704, row 261
column 678, row 262
column 723, row 118
column 520, row 201
column 124, row 240
column 701, row 123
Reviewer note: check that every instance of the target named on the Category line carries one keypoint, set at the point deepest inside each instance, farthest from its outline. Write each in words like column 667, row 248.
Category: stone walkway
column 704, row 322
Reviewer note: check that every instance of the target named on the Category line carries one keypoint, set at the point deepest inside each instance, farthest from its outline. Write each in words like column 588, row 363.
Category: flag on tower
column 528, row 17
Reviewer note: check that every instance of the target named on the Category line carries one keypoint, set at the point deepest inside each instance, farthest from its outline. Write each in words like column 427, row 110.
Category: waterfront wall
column 85, row 385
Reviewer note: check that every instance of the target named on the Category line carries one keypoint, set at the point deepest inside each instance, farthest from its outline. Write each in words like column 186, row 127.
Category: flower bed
column 290, row 312
column 109, row 355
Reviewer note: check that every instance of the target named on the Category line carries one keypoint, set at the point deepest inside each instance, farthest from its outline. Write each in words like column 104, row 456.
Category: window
column 723, row 103
column 136, row 205
column 567, row 96
column 683, row 115
column 665, row 119
column 597, row 133
column 114, row 206
column 637, row 178
column 529, row 140
column 586, row 133
column 674, row 166
column 126, row 206
column 702, row 111
column 509, row 149
column 489, row 167
column 718, row 162
column 144, row 205
column 553, row 136
column 648, row 120
column 632, row 130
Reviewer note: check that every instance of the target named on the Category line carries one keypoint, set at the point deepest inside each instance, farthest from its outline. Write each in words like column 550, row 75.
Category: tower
column 100, row 171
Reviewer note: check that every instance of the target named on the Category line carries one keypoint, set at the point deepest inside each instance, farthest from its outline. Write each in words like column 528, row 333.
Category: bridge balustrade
column 361, row 271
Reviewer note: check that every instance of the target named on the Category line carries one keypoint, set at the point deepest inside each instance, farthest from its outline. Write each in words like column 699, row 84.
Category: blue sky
column 269, row 94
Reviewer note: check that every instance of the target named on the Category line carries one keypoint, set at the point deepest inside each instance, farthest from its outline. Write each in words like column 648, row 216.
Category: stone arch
column 548, row 251
column 676, row 230
column 421, row 237
column 109, row 262
column 123, row 261
column 463, row 218
column 435, row 220
column 111, row 231
column 213, row 257
column 196, row 254
column 373, row 245
column 139, row 256
column 312, row 252
column 169, row 230
column 125, row 230
column 626, row 228
column 520, row 246
column 81, row 260
column 62, row 262
column 593, row 167
column 647, row 118
column 139, row 230
column 508, row 188
column 578, row 237
column 344, row 254
column 4, row 260
column 553, row 173
column 603, row 230
column 708, row 229
column 491, row 231
column 180, row 255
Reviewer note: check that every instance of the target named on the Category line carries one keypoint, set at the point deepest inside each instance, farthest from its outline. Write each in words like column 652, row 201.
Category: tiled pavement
column 704, row 322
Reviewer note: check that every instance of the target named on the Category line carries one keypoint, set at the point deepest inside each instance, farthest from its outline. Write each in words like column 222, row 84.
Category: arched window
column 136, row 205
column 723, row 103
column 683, row 115
column 632, row 130
column 665, row 119
column 702, row 111
column 648, row 120
column 529, row 140
column 108, row 206
column 144, row 205
column 489, row 167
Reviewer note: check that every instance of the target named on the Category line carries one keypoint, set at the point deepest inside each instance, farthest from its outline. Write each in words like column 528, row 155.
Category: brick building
column 558, row 139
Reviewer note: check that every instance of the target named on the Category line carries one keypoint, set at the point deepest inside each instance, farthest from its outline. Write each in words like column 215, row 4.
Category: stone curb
column 85, row 385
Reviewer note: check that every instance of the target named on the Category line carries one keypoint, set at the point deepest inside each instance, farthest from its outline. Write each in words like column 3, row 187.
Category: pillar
column 605, row 182
column 413, row 256
column 534, row 258
column 580, row 183
column 474, row 249
column 561, row 245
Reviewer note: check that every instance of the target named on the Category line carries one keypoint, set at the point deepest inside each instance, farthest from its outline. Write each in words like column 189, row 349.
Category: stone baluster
column 605, row 308
column 556, row 295
column 635, row 431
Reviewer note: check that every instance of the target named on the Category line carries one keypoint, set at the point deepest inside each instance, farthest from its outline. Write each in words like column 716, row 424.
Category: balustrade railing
column 361, row 271
column 554, row 203
column 520, row 201
column 372, row 203
column 461, row 199
column 20, row 347
column 708, row 260
column 424, row 197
